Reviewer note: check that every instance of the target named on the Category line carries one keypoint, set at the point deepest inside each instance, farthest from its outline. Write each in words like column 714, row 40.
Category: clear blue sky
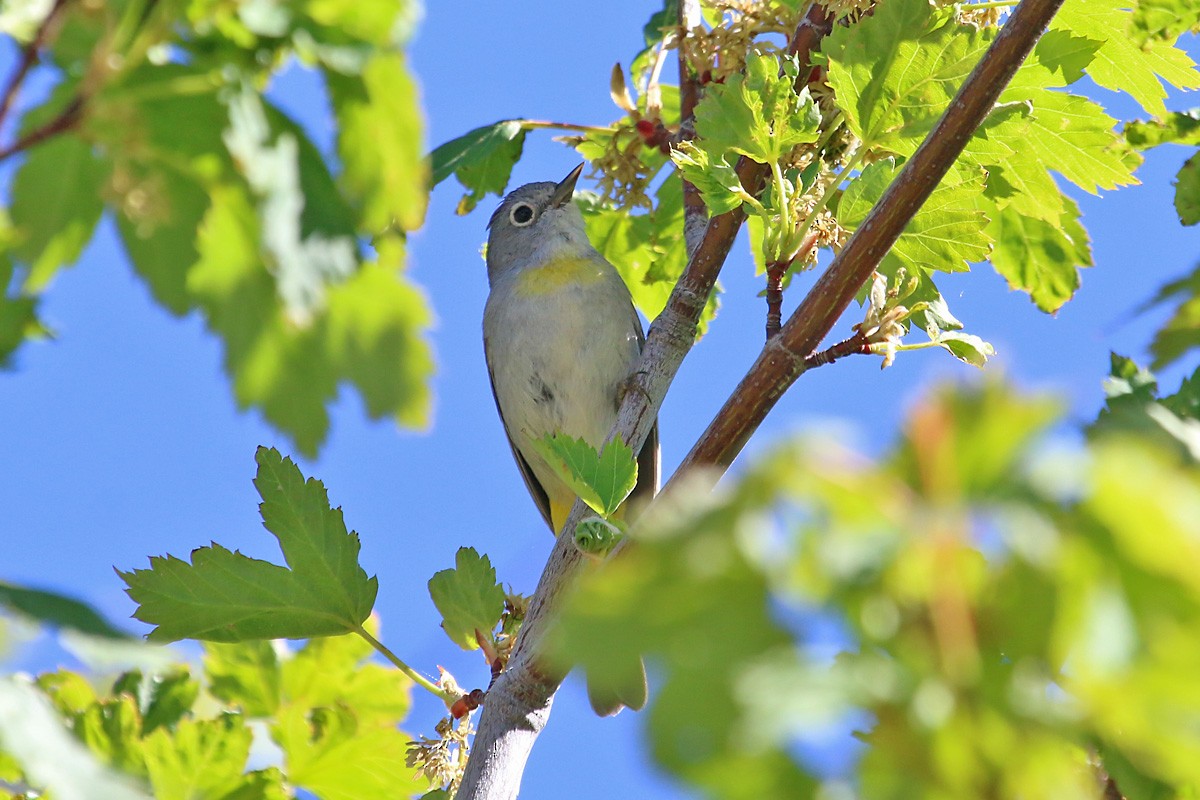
column 121, row 440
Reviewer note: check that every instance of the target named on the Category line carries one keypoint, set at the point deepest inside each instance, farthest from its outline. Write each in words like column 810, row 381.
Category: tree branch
column 785, row 356
column 29, row 56
column 65, row 120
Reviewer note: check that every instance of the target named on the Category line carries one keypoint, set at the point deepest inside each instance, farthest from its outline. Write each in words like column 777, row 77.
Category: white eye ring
column 521, row 215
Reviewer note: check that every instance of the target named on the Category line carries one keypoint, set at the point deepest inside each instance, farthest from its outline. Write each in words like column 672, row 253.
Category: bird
column 561, row 339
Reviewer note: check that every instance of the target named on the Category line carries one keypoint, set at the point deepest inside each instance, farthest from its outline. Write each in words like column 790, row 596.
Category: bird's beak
column 566, row 188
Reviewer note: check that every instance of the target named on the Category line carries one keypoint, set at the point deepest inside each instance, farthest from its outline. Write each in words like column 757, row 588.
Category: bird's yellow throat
column 559, row 273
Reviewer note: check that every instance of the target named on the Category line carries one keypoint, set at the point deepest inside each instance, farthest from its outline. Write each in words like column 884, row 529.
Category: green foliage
column 481, row 159
column 1135, row 407
column 1005, row 609
column 1181, row 333
column 58, row 610
column 896, row 71
column 178, row 737
column 601, row 479
column 469, row 598
column 224, row 596
column 225, row 206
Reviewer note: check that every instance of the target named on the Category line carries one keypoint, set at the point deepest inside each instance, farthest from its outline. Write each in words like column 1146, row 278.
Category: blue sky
column 121, row 439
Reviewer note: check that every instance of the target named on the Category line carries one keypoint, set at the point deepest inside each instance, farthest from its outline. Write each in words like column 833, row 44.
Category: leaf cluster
column 159, row 118
column 1001, row 610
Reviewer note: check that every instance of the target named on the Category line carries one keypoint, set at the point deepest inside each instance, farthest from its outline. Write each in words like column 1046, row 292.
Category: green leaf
column 1163, row 19
column 946, row 234
column 171, row 696
column 58, row 610
column 334, row 672
column 647, row 249
column 199, row 758
column 1122, row 64
column 1182, row 332
column 1177, row 127
column 469, row 598
column 759, row 114
column 1072, row 136
column 1187, row 191
column 370, row 332
column 333, row 755
column 716, row 179
column 56, row 203
column 602, row 480
column 895, row 72
column 244, row 675
column 481, row 159
column 224, row 596
column 1134, row 407
column 1038, row 257
column 307, row 231
column 966, row 347
column 380, row 143
column 50, row 756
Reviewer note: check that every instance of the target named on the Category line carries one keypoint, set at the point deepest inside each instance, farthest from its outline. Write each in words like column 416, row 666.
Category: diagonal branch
column 784, row 358
column 46, row 31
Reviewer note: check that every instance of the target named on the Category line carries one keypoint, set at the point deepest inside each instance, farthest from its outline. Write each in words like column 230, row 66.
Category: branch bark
column 45, row 33
column 784, row 358
column 518, row 705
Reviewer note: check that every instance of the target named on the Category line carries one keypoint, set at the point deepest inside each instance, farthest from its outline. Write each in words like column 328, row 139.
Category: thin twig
column 854, row 346
column 783, row 359
column 29, row 56
column 65, row 120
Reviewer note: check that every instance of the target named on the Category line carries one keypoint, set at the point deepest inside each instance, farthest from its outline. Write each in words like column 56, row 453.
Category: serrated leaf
column 468, row 596
column 717, row 180
column 895, row 72
column 481, row 159
column 1039, row 257
column 1071, row 135
column 58, row 610
column 335, row 671
column 1163, row 19
column 334, row 756
column 757, row 114
column 199, row 758
column 946, row 234
column 602, row 480
column 56, row 203
column 1121, row 64
column 380, row 142
column 224, row 596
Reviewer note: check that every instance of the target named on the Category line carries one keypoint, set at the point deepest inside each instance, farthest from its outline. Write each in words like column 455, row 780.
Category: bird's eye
column 521, row 215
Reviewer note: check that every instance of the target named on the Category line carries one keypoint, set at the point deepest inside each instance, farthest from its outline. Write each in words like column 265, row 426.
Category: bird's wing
column 531, row 482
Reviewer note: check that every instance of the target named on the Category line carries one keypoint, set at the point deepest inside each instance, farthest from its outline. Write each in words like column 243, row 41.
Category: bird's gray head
column 535, row 223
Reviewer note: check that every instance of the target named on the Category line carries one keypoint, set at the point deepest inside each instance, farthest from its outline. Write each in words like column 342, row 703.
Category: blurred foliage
column 158, row 119
column 258, row 721
column 1007, row 609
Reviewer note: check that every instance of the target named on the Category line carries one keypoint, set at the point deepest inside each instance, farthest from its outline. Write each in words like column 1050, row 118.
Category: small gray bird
column 561, row 337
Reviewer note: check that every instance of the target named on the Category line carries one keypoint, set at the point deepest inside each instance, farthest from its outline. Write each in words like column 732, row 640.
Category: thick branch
column 784, row 358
